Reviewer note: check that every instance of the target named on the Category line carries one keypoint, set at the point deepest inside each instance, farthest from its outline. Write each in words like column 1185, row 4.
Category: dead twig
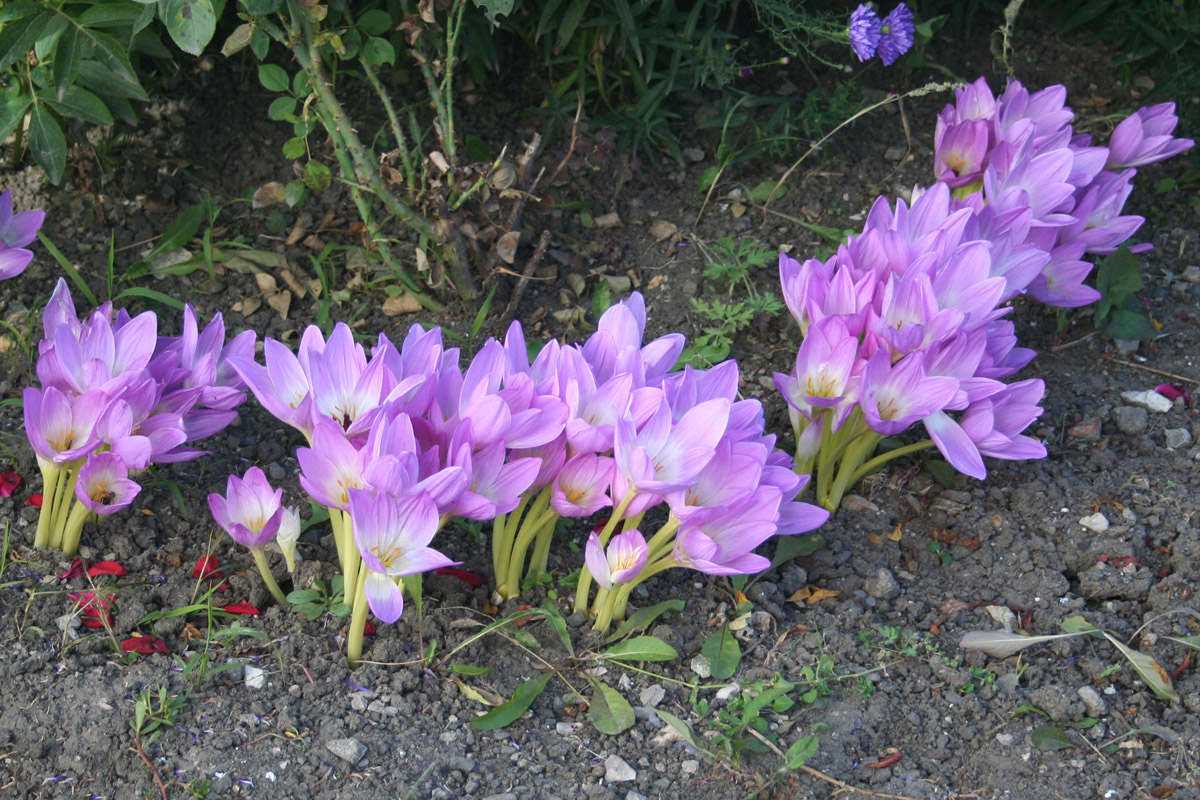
column 511, row 309
column 1162, row 372
column 162, row 787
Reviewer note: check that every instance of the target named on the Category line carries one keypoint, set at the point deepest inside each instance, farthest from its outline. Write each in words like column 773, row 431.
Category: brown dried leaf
column 247, row 305
column 268, row 195
column 947, row 536
column 298, row 232
column 662, row 230
column 654, row 283
column 314, row 242
column 439, row 161
column 266, row 283
column 400, row 304
column 281, row 302
column 293, row 284
column 506, row 246
column 952, row 606
column 422, row 260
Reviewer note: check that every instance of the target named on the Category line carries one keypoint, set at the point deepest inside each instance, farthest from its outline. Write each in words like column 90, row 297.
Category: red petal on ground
column 9, row 481
column 75, row 570
column 34, row 500
column 369, row 628
column 469, row 578
column 105, row 568
column 1171, row 391
column 145, row 645
column 206, row 567
column 223, row 588
column 242, row 608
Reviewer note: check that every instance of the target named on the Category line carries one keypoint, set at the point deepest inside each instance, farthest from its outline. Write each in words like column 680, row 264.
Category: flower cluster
column 117, row 397
column 16, row 231
column 404, row 440
column 888, row 38
column 904, row 324
column 1030, row 181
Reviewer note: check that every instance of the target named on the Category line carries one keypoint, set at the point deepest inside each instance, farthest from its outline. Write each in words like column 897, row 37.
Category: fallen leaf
column 75, row 570
column 662, row 230
column 610, row 220
column 368, row 628
column 248, row 305
column 298, row 232
column 952, row 606
column 267, row 195
column 654, row 283
column 506, row 246
column 896, row 533
column 397, row 304
column 947, row 536
column 281, row 302
column 813, row 594
column 266, row 283
column 313, row 242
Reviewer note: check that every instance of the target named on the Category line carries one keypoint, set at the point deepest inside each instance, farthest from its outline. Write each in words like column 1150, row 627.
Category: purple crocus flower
column 16, row 231
column 581, row 487
column 895, row 397
column 960, row 151
column 864, row 32
column 895, row 34
column 62, row 429
column 250, row 511
column 104, row 486
column 664, row 457
column 282, row 386
column 719, row 541
column 332, row 467
column 621, row 563
column 1144, row 137
column 393, row 537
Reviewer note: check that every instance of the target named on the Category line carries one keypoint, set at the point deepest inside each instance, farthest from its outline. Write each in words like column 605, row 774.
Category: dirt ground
column 900, row 710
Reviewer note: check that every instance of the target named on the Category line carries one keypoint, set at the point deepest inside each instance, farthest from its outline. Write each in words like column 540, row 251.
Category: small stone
column 701, row 666
column 1149, row 400
column 351, row 750
column 617, row 771
column 727, row 693
column 1129, row 420
column 380, row 707
column 1127, row 347
column 1192, row 274
column 689, row 767
column 635, row 796
column 1092, row 701
column 463, row 764
column 1004, row 738
column 882, row 584
column 1095, row 522
column 652, row 695
column 1088, row 430
column 1177, row 438
column 610, row 220
column 894, row 153
column 254, row 677
column 693, row 154
column 568, row 728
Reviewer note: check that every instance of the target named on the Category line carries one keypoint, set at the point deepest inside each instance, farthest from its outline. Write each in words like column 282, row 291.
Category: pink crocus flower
column 104, row 486
column 621, row 563
column 393, row 536
column 894, row 397
column 62, row 429
column 1144, row 137
column 250, row 511
column 16, row 231
column 581, row 488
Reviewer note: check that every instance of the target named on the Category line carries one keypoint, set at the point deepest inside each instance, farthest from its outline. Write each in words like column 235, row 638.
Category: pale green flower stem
column 64, row 498
column 72, row 528
column 358, row 622
column 264, row 569
column 51, row 472
column 512, row 535
column 347, row 550
column 611, row 604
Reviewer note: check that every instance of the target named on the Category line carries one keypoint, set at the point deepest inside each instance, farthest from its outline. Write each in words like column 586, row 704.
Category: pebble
column 610, row 220
column 727, row 693
column 351, row 750
column 255, row 677
column 701, row 666
column 1177, row 438
column 1004, row 738
column 693, row 154
column 1149, row 400
column 690, row 767
column 882, row 584
column 1095, row 522
column 568, row 728
column 617, row 771
column 635, row 796
column 894, row 153
column 853, row 502
column 652, row 695
column 463, row 764
column 1088, row 430
column 1092, row 701
column 1130, row 420
column 1192, row 274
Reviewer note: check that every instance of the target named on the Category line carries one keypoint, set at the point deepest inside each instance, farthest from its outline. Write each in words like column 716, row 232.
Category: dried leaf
column 298, row 232
column 506, row 246
column 400, row 304
column 248, row 305
column 281, row 302
column 314, row 242
column 896, row 533
column 267, row 195
column 266, row 283
column 610, row 220
column 439, row 161
column 662, row 230
column 1002, row 644
column 1147, row 668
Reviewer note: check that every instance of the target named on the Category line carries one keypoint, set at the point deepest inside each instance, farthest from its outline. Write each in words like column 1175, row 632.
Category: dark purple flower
column 864, row 32
column 895, row 34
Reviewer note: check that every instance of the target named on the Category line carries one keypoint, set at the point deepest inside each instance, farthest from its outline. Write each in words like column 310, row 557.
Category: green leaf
column 644, row 617
column 527, row 639
column 17, row 36
column 377, row 51
column 789, row 547
column 1116, row 278
column 511, row 711
column 642, row 648
column 303, row 596
column 260, row 42
column 238, row 40
column 723, row 653
column 762, row 191
column 66, row 62
column 317, row 176
column 281, row 108
column 469, row 669
column 68, row 268
column 1147, row 668
column 109, row 54
column 555, row 618
column 111, row 15
column 1078, row 624
column 12, row 112
column 375, row 22
column 150, row 294
column 493, row 7
column 1050, row 737
column 801, row 751
column 181, row 230
column 1002, row 644
column 261, row 7
column 608, row 710
column 294, row 148
column 682, row 728
column 47, row 143
column 79, row 103
column 1187, row 641
column 106, row 83
column 294, row 194
column 273, row 77
column 1131, row 325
